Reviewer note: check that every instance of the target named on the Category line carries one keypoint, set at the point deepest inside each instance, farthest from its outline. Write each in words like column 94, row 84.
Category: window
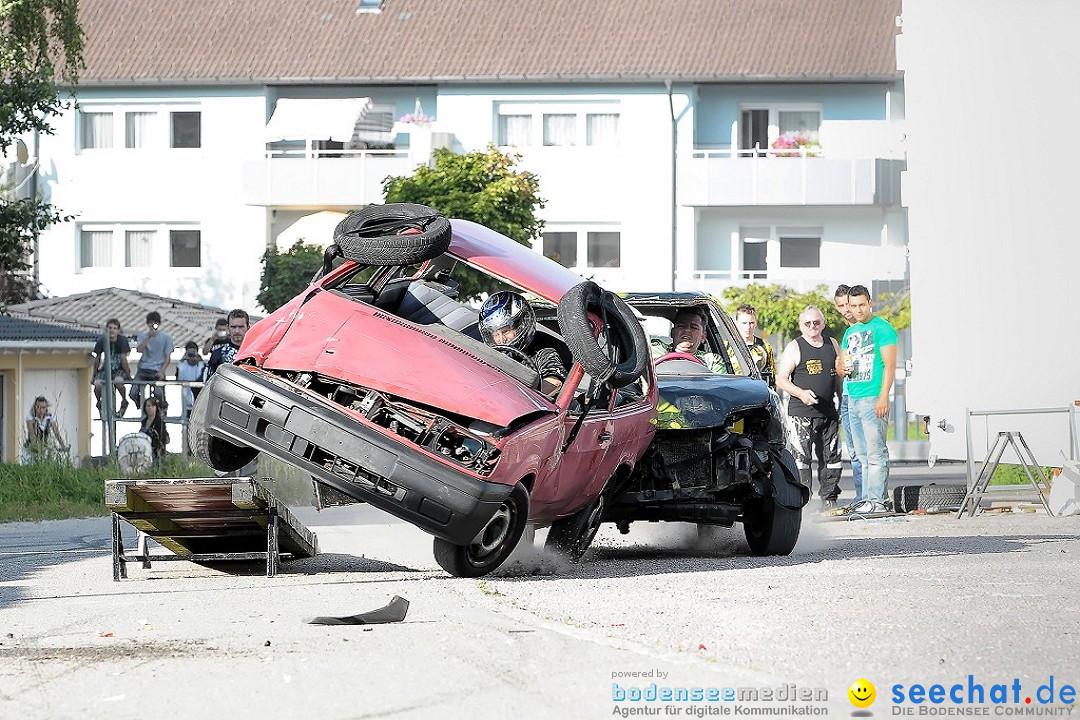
column 602, row 129
column 557, row 124
column 515, row 130
column 599, row 248
column 185, row 248
column 368, row 6
column 759, row 127
column 800, row 252
column 138, row 246
column 561, row 247
column 604, row 249
column 97, row 130
column 95, row 248
column 137, row 128
column 186, row 129
column 560, row 129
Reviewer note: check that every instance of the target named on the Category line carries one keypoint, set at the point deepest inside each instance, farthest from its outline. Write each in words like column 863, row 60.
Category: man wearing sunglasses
column 807, row 372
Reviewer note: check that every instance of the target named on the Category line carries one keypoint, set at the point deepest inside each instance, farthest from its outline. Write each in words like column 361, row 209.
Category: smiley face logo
column 862, row 693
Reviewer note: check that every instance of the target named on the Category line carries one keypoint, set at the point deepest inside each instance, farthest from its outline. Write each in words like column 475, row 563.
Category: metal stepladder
column 1006, row 439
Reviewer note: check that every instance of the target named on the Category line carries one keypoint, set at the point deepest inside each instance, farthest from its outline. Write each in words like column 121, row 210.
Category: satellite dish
column 21, row 152
column 134, row 453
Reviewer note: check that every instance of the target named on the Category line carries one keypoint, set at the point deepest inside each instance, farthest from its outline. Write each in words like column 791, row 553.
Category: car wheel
column 625, row 336
column 571, row 536
column 922, row 497
column 772, row 525
column 219, row 454
column 372, row 236
column 492, row 545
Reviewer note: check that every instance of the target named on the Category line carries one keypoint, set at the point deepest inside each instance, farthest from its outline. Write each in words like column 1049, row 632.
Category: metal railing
column 326, row 153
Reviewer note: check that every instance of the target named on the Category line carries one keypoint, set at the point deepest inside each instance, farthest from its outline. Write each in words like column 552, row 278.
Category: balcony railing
column 788, row 176
column 313, row 177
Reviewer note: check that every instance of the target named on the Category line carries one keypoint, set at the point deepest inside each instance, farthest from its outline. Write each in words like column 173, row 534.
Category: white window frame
column 774, row 240
column 159, row 134
column 774, row 110
column 160, row 252
column 580, row 109
column 582, row 232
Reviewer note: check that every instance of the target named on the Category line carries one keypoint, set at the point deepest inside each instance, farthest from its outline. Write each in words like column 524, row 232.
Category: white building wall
column 156, row 188
column 991, row 193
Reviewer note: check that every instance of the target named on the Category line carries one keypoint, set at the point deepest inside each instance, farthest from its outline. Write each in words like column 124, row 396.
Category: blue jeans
column 868, row 434
column 849, row 443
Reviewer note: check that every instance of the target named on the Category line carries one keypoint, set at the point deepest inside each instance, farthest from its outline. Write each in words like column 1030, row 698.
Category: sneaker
column 123, row 409
column 828, row 505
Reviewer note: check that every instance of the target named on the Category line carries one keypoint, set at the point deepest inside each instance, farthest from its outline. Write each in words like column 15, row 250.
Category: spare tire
column 922, row 497
column 372, row 235
column 625, row 337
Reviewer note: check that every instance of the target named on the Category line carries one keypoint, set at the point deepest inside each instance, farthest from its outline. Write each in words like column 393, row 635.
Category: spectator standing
column 225, row 353
column 808, row 373
column 760, row 351
column 119, row 348
column 868, row 360
column 157, row 348
column 41, row 431
column 153, row 426
column 220, row 336
column 190, row 369
column 840, row 300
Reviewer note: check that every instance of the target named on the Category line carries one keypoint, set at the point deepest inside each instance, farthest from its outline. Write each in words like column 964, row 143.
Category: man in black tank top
column 807, row 372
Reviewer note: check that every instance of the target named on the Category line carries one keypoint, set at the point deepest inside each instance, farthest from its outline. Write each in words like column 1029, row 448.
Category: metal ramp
column 204, row 520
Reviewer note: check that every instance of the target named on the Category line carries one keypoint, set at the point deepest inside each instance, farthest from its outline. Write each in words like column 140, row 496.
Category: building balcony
column 307, row 178
column 732, row 178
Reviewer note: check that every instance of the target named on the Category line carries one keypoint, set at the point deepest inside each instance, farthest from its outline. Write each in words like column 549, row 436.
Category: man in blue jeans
column 868, row 360
column 840, row 300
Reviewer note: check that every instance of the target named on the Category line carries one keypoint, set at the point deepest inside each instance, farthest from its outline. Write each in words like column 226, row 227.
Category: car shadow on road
column 605, row 561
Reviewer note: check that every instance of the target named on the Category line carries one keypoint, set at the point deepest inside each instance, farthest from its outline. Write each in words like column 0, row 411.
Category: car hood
column 378, row 351
column 706, row 400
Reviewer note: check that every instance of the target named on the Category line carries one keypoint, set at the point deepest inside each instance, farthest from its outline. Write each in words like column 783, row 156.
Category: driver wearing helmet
column 507, row 320
column 687, row 334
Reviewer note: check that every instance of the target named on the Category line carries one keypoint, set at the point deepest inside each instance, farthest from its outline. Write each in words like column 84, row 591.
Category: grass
column 1007, row 474
column 59, row 490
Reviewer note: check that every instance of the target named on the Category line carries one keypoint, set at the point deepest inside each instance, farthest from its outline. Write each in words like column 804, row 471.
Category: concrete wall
column 991, row 192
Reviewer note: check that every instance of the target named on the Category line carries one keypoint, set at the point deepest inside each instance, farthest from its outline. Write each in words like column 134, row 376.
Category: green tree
column 778, row 308
column 286, row 274
column 480, row 186
column 41, row 45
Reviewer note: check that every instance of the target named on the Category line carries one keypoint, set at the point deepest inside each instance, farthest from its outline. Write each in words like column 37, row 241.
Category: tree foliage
column 40, row 48
column 41, row 45
column 286, row 274
column 778, row 308
column 480, row 186
column 20, row 223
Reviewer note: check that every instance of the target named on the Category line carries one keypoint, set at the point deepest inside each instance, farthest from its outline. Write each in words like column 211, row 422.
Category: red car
column 375, row 381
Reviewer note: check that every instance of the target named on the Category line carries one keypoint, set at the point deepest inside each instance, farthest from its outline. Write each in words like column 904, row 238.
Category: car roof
column 510, row 261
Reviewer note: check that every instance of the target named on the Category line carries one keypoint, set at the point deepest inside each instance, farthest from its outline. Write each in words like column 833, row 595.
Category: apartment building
column 685, row 145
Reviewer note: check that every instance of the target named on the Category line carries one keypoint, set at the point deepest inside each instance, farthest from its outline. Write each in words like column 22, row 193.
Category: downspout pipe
column 674, row 176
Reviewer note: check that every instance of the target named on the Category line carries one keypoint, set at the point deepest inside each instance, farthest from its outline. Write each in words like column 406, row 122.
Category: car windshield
column 721, row 350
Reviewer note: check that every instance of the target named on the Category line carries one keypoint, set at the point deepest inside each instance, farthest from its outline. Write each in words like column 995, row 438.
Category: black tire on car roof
column 370, row 236
column 624, row 334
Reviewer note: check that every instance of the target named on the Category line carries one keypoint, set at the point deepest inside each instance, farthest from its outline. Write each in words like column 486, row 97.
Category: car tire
column 922, row 497
column 772, row 527
column 494, row 543
column 370, row 236
column 571, row 536
column 624, row 333
column 219, row 454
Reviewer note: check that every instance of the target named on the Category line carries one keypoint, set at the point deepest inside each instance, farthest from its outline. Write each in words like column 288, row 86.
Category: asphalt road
column 899, row 601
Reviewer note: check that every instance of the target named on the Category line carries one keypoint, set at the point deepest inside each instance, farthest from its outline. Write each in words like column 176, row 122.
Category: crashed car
column 718, row 456
column 376, row 382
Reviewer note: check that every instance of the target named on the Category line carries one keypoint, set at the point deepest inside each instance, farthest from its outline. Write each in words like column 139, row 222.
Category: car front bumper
column 250, row 407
